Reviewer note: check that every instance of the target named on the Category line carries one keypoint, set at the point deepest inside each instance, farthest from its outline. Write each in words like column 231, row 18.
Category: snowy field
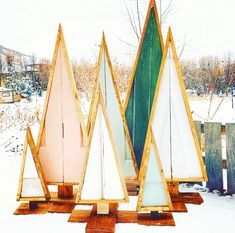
column 215, row 215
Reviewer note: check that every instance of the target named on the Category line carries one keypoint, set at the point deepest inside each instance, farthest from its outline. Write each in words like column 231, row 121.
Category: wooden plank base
column 132, row 187
column 179, row 207
column 79, row 216
column 56, row 198
column 164, row 219
column 173, row 188
column 102, row 223
column 65, row 191
column 188, row 198
column 24, row 209
column 57, row 207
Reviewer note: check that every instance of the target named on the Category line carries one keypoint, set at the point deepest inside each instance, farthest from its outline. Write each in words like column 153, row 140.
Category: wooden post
column 154, row 215
column 230, row 153
column 102, row 223
column 213, row 156
column 198, row 131
column 33, row 205
column 173, row 188
column 102, row 208
column 65, row 191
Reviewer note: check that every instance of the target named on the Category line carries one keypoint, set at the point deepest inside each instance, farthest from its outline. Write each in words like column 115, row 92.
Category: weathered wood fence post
column 213, row 156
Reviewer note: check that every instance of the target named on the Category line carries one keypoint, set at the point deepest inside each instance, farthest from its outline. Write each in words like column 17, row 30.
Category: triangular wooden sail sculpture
column 32, row 185
column 102, row 179
column 172, row 124
column 153, row 194
column 105, row 79
column 62, row 134
column 143, row 81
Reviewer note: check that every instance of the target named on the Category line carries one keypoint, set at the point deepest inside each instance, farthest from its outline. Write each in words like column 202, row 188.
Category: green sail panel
column 143, row 87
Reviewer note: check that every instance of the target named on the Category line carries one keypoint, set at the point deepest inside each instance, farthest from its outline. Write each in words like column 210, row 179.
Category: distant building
column 6, row 95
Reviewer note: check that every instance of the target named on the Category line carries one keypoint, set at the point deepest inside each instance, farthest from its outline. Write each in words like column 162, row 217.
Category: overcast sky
column 30, row 26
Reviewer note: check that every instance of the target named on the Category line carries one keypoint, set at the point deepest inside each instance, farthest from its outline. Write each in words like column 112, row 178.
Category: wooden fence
column 212, row 137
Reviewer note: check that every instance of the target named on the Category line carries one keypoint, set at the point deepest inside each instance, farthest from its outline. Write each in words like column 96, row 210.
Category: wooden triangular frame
column 104, row 49
column 29, row 144
column 60, row 39
column 100, row 99
column 170, row 42
column 152, row 5
column 60, row 42
column 143, row 171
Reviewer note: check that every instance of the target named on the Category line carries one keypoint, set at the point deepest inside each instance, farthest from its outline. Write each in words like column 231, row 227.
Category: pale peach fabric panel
column 74, row 151
column 51, row 153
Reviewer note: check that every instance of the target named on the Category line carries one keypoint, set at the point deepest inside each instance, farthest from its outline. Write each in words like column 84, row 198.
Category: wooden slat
column 24, row 209
column 198, row 125
column 198, row 130
column 102, row 223
column 188, row 198
column 79, row 216
column 58, row 207
column 213, row 156
column 164, row 219
column 230, row 153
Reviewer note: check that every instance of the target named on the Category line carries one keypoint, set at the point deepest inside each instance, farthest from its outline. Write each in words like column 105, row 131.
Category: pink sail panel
column 61, row 151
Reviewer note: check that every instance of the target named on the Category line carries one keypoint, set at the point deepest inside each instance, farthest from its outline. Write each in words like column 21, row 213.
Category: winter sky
column 30, row 26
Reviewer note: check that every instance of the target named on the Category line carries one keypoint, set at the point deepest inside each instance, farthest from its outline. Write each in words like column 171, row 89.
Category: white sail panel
column 31, row 185
column 161, row 123
column 184, row 153
column 154, row 193
column 172, row 129
column 102, row 180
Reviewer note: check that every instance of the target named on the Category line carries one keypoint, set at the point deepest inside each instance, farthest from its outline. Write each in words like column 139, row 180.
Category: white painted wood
column 31, row 185
column 154, row 193
column 102, row 180
column 115, row 117
column 171, row 127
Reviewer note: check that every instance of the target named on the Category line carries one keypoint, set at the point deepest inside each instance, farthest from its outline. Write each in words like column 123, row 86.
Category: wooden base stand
column 65, row 191
column 58, row 207
column 148, row 219
column 132, row 187
column 98, row 223
column 179, row 207
column 32, row 208
column 173, row 188
column 62, row 201
column 65, row 200
column 186, row 198
column 102, row 223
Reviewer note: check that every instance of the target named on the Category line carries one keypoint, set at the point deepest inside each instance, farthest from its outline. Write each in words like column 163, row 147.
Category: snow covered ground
column 200, row 107
column 215, row 215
